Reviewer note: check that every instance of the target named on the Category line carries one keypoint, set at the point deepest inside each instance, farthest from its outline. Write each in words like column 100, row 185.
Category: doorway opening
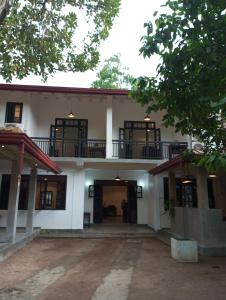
column 115, row 202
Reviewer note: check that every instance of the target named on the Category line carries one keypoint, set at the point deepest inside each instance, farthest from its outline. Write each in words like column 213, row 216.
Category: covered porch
column 197, row 204
column 22, row 153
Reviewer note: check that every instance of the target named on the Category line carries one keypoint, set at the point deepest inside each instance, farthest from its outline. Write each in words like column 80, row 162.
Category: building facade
column 105, row 137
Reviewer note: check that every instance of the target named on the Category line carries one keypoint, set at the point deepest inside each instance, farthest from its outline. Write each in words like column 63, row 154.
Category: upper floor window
column 13, row 112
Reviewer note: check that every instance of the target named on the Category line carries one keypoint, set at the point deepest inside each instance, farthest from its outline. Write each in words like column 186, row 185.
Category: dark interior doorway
column 108, row 198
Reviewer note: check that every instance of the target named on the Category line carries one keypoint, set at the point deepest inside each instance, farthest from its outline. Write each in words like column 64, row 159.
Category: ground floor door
column 115, row 202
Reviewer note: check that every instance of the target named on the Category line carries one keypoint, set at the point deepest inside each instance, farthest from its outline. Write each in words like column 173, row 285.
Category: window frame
column 23, row 202
column 11, row 107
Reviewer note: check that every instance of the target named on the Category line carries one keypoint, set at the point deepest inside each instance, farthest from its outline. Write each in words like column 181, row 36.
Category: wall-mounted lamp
column 117, row 178
column 91, row 191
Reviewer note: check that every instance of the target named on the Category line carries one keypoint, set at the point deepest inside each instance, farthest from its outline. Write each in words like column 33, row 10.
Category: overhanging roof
column 172, row 163
column 32, row 153
column 60, row 89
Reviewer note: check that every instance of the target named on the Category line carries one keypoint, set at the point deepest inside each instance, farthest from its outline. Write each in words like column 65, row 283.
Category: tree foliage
column 43, row 36
column 190, row 86
column 112, row 75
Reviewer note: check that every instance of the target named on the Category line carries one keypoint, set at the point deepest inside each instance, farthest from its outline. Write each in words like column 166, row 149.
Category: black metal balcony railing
column 72, row 148
column 121, row 149
column 147, row 150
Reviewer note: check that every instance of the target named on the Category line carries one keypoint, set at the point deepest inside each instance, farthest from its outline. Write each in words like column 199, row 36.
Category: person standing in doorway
column 124, row 207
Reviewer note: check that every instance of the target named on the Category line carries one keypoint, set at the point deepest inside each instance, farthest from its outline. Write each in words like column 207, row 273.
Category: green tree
column 112, row 75
column 44, row 36
column 190, row 86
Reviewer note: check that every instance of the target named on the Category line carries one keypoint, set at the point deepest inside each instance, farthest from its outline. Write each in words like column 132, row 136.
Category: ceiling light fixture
column 147, row 118
column 117, row 178
column 186, row 180
column 71, row 114
column 212, row 175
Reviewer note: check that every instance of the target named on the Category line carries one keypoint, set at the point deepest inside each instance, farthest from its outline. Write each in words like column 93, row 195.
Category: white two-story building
column 92, row 136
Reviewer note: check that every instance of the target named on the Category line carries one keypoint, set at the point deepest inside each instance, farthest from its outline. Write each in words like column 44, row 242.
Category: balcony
column 147, row 150
column 72, row 148
column 92, row 148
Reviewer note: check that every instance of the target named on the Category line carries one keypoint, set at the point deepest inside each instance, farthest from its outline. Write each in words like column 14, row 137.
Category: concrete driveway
column 108, row 269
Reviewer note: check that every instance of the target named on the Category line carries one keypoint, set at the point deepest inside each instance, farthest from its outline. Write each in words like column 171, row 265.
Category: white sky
column 124, row 38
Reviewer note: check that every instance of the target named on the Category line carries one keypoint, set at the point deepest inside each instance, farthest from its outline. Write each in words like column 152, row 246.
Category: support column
column 202, row 188
column 14, row 192
column 172, row 189
column 78, row 199
column 109, row 145
column 31, row 201
column 157, row 217
column 203, row 204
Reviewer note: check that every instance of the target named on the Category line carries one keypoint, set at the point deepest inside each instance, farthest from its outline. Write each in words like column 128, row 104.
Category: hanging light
column 212, row 175
column 71, row 115
column 147, row 118
column 187, row 180
column 117, row 178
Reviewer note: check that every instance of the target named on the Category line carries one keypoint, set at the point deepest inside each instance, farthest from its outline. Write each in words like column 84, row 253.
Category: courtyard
column 101, row 269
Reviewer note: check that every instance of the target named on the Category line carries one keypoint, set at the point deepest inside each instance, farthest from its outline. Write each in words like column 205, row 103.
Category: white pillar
column 14, row 192
column 189, row 141
column 203, row 204
column 31, row 201
column 78, row 199
column 157, row 217
column 109, row 145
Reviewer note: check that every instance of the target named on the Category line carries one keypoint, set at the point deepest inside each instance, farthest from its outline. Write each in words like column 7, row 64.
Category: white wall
column 126, row 109
column 40, row 111
column 140, row 176
column 52, row 219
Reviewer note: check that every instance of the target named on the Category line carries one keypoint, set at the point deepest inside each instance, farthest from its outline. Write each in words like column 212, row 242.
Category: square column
column 109, row 145
column 31, row 201
column 14, row 192
column 157, row 217
column 203, row 204
column 78, row 199
column 172, row 189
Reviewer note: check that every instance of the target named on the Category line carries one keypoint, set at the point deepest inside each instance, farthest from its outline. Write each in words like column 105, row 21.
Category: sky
column 124, row 38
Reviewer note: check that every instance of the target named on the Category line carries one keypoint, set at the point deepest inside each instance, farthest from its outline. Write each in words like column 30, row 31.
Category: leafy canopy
column 112, row 75
column 190, row 86
column 43, row 36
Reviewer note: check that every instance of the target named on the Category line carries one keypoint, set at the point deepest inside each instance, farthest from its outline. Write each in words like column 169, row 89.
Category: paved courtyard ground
column 108, row 269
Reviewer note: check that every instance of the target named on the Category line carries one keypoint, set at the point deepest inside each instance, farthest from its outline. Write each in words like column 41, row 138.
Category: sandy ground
column 108, row 269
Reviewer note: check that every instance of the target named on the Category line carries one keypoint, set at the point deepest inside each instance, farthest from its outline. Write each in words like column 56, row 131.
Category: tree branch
column 4, row 9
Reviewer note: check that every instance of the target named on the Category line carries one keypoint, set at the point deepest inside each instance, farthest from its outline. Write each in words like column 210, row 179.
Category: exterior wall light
column 117, row 178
